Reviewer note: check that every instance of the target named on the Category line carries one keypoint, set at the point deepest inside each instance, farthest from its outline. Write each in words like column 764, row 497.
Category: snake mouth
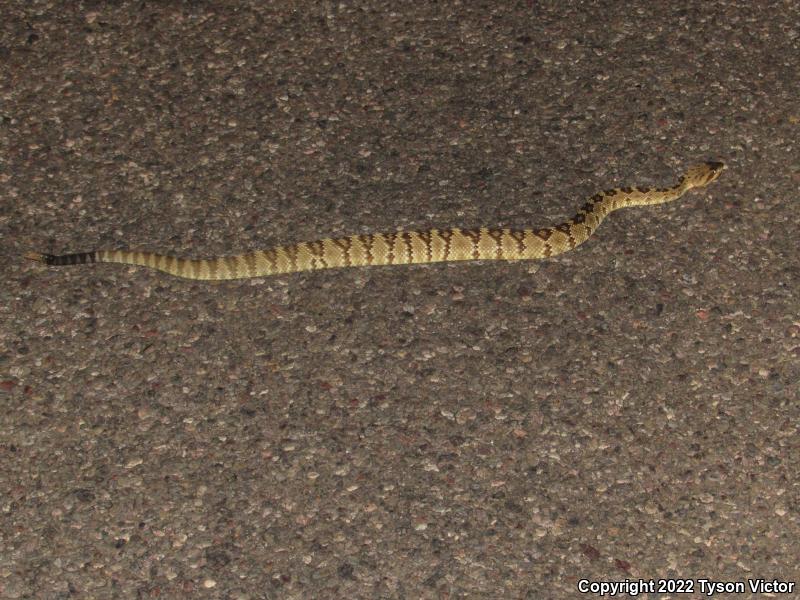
column 715, row 166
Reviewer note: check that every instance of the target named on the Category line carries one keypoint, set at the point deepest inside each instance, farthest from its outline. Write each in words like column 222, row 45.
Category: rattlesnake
column 406, row 247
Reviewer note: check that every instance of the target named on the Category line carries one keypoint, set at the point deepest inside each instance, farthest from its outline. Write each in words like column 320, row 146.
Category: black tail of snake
column 405, row 247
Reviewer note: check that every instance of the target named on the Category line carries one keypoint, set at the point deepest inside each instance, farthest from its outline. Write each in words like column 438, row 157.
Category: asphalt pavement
column 550, row 429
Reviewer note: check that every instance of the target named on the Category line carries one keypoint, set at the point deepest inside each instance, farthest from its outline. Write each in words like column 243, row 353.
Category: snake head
column 702, row 175
column 715, row 168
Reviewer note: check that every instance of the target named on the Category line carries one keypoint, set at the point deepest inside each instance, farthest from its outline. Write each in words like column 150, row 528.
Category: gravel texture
column 484, row 430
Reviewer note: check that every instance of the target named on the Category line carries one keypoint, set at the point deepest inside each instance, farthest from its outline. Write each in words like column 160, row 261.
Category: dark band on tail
column 80, row 258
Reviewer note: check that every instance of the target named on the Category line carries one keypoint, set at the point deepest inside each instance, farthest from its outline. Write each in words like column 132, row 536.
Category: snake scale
column 406, row 247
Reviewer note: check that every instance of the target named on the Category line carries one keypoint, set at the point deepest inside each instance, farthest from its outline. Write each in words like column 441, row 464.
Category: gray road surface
column 627, row 410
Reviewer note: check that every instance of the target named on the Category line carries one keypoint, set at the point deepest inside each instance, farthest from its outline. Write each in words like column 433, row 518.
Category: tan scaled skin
column 405, row 247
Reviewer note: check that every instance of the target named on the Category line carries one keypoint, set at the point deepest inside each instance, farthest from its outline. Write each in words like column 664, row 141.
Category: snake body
column 405, row 247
